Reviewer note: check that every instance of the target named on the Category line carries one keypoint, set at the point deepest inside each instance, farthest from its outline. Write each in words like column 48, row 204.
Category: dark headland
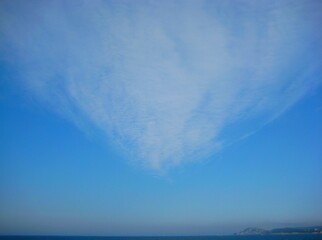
column 281, row 231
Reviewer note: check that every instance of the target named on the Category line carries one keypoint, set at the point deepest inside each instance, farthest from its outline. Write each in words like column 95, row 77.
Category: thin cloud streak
column 166, row 79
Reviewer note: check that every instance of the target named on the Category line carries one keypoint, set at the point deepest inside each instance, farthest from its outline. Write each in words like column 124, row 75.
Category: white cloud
column 166, row 79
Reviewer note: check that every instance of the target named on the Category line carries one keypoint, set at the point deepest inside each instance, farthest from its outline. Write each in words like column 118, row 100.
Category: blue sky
column 159, row 117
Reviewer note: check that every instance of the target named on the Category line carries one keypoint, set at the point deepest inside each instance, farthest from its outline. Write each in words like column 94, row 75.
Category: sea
column 233, row 237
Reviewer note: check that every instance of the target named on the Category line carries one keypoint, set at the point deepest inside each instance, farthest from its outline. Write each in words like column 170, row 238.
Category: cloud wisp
column 171, row 81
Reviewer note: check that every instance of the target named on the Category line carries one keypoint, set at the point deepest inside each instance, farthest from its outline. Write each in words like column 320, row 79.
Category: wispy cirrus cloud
column 172, row 81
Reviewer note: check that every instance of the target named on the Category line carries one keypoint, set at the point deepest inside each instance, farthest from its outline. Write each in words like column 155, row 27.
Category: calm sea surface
column 276, row 237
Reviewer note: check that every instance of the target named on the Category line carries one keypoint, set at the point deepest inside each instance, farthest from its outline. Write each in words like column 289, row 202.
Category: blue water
column 274, row 237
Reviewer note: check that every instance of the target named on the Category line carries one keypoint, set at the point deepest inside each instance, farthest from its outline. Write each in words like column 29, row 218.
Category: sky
column 159, row 117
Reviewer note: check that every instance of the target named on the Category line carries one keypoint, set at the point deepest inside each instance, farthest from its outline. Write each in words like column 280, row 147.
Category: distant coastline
column 281, row 231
